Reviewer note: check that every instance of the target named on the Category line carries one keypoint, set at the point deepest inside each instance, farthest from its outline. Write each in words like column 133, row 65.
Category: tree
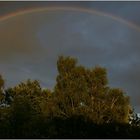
column 28, row 109
column 85, row 91
column 81, row 105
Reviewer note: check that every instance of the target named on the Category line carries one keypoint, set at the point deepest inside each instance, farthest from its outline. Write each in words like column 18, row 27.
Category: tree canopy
column 85, row 91
column 81, row 105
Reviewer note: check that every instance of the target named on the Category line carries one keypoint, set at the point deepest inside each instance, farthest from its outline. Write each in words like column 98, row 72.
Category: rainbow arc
column 76, row 9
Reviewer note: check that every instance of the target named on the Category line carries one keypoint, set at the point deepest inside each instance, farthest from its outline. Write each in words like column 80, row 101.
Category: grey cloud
column 128, row 10
column 30, row 45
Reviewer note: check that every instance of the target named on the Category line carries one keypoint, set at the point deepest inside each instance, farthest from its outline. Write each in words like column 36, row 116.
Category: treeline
column 81, row 105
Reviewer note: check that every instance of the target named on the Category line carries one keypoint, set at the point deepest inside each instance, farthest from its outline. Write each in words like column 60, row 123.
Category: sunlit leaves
column 79, row 92
column 78, row 85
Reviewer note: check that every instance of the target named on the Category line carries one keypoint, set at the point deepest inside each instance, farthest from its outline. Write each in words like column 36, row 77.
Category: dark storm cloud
column 119, row 8
column 30, row 44
column 109, row 44
column 128, row 10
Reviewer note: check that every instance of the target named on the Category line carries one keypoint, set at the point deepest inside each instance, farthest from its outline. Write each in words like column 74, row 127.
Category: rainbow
column 76, row 9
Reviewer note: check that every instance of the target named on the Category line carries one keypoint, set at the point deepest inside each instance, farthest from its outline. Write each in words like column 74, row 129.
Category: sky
column 107, row 34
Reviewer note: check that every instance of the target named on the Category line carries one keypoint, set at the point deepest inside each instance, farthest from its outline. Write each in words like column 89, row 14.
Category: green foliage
column 85, row 91
column 81, row 105
column 28, row 88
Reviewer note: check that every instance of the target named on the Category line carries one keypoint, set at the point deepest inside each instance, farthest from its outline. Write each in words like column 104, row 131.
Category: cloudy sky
column 34, row 34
